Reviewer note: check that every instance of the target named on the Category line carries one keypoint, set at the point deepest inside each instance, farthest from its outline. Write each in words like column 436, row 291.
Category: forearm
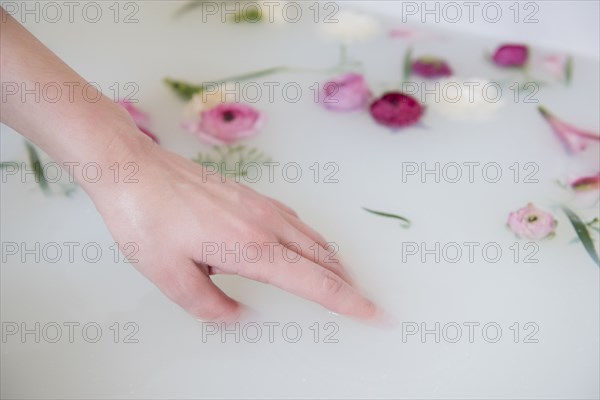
column 79, row 126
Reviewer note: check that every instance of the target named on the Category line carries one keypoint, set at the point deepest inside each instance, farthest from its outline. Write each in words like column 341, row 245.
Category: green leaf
column 187, row 90
column 38, row 170
column 192, row 5
column 231, row 160
column 6, row 164
column 582, row 233
column 405, row 222
column 247, row 15
column 569, row 70
column 407, row 65
column 183, row 89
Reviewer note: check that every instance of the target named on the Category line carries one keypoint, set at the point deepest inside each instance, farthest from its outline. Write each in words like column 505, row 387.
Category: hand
column 183, row 218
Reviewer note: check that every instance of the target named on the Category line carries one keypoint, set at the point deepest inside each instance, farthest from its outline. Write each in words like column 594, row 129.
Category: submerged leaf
column 407, row 65
column 38, row 169
column 582, row 233
column 232, row 160
column 405, row 222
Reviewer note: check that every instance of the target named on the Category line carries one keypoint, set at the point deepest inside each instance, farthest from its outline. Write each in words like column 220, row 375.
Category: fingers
column 304, row 278
column 190, row 287
column 316, row 253
column 306, row 230
column 283, row 207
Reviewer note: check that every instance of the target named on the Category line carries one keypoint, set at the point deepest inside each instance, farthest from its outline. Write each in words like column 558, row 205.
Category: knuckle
column 331, row 284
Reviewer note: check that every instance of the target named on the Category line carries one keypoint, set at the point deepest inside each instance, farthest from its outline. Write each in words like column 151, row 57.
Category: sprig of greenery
column 232, row 159
column 248, row 14
column 407, row 65
column 582, row 233
column 6, row 164
column 187, row 90
column 405, row 223
column 35, row 162
column 38, row 170
column 569, row 70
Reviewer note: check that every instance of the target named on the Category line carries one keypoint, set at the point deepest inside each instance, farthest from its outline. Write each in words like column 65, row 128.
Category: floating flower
column 226, row 123
column 465, row 100
column 346, row 93
column 530, row 222
column 554, row 64
column 575, row 140
column 431, row 67
column 511, row 55
column 352, row 26
column 140, row 118
column 411, row 34
column 586, row 183
column 396, row 110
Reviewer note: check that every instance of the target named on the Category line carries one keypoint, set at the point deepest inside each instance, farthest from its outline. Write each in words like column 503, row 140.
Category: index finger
column 311, row 281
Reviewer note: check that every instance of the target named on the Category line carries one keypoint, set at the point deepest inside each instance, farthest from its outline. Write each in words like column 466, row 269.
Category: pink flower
column 586, row 183
column 140, row 118
column 555, row 64
column 431, row 67
column 511, row 55
column 574, row 139
column 226, row 123
column 396, row 110
column 346, row 93
column 531, row 223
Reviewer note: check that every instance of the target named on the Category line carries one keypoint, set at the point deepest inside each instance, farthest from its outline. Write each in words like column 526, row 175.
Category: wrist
column 114, row 164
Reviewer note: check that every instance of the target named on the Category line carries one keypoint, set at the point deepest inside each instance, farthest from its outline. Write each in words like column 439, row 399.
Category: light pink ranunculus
column 226, row 123
column 530, row 222
column 346, row 93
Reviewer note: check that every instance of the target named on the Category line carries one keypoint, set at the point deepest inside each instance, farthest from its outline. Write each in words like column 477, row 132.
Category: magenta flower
column 574, row 139
column 140, row 118
column 396, row 110
column 511, row 55
column 586, row 183
column 431, row 67
column 346, row 93
column 226, row 123
column 531, row 223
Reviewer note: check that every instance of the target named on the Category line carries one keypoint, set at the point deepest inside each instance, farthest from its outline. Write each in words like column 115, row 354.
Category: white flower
column 352, row 26
column 201, row 102
column 472, row 99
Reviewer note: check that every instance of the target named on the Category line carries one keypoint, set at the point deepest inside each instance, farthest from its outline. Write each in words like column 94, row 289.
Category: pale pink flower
column 226, row 123
column 530, row 222
column 346, row 93
column 574, row 139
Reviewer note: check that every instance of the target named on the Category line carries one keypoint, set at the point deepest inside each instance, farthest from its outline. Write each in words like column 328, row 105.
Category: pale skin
column 175, row 206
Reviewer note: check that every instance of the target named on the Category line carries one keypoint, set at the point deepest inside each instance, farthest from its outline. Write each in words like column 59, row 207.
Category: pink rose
column 346, row 93
column 531, row 223
column 226, row 123
column 140, row 118
column 396, row 110
column 511, row 55
column 431, row 67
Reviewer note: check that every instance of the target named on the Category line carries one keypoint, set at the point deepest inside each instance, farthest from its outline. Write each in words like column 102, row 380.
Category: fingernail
column 383, row 319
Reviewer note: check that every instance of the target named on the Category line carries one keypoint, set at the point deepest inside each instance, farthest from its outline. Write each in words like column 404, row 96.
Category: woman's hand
column 189, row 223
